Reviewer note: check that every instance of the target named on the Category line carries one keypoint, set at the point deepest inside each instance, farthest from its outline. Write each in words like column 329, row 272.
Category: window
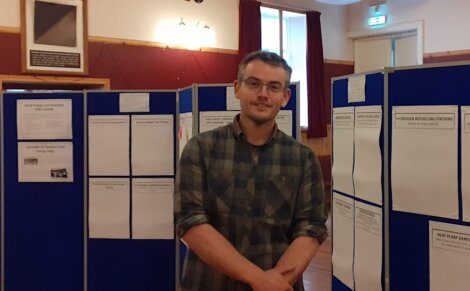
column 285, row 33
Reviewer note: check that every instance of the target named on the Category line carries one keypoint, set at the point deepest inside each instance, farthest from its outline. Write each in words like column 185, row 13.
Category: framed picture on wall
column 54, row 36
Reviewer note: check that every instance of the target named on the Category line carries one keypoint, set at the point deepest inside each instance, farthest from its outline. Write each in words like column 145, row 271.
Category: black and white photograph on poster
column 59, row 173
column 45, row 162
column 54, row 36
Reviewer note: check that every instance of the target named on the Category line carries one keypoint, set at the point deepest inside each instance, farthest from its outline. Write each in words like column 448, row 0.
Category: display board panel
column 43, row 191
column 423, row 147
column 358, row 176
column 145, row 258
column 433, row 86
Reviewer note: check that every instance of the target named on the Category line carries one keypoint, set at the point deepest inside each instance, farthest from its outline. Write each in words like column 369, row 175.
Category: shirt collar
column 240, row 136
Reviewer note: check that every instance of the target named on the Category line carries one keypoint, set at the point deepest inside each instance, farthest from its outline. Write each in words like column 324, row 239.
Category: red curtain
column 317, row 117
column 249, row 27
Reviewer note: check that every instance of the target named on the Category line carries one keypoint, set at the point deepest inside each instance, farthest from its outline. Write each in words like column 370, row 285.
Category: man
column 249, row 198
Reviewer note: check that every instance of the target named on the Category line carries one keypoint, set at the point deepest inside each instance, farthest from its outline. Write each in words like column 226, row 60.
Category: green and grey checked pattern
column 258, row 197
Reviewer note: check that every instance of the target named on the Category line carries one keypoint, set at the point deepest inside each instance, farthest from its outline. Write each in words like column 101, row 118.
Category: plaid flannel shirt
column 260, row 198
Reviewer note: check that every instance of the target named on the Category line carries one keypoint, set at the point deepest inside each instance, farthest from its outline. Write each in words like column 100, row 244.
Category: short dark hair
column 270, row 58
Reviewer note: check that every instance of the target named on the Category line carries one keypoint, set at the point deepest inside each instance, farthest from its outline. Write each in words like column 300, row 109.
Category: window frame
column 281, row 10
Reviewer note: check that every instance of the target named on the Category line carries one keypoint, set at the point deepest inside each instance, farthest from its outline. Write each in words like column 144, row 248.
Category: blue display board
column 337, row 285
column 131, row 264
column 409, row 232
column 185, row 105
column 45, row 239
column 185, row 98
column 374, row 91
column 374, row 95
column 44, row 222
column 408, row 257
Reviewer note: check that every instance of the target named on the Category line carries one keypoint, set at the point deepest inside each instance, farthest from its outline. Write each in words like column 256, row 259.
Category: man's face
column 262, row 91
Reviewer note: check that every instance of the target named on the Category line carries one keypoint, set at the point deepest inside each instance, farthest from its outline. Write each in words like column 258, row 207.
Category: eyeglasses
column 256, row 85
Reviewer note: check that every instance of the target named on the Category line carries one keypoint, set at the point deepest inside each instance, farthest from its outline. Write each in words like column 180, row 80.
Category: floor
column 317, row 276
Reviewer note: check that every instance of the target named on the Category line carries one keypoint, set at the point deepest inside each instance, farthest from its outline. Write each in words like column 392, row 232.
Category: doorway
column 386, row 50
column 391, row 46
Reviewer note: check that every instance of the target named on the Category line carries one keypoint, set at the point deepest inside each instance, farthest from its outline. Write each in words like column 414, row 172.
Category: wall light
column 206, row 35
column 186, row 34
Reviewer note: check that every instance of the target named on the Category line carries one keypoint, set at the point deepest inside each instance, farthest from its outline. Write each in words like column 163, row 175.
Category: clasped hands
column 272, row 280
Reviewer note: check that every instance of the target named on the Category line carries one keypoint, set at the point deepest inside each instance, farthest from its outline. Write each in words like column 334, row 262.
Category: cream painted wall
column 10, row 13
column 336, row 45
column 139, row 20
column 445, row 22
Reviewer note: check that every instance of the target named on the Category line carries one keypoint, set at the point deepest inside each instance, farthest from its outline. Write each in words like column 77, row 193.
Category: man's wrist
column 252, row 277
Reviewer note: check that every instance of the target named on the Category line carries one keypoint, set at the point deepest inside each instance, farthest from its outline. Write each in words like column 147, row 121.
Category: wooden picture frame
column 54, row 36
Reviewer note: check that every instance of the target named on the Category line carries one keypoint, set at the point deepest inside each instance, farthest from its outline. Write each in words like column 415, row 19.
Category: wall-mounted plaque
column 54, row 36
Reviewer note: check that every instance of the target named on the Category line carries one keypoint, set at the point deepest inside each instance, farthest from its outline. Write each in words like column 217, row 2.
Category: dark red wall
column 444, row 59
column 142, row 67
column 334, row 70
column 10, row 53
column 138, row 67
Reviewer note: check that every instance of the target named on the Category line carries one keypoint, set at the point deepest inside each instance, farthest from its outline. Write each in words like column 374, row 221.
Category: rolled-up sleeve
column 189, row 189
column 310, row 215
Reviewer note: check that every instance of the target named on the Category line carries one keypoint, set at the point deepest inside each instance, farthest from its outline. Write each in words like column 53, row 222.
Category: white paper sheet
column 357, row 89
column 367, row 156
column 284, row 121
column 424, row 160
column 209, row 120
column 465, row 137
column 44, row 118
column 152, row 208
column 108, row 145
column 152, row 145
column 232, row 102
column 45, row 162
column 343, row 149
column 449, row 256
column 134, row 102
column 343, row 238
column 367, row 247
column 186, row 130
column 109, row 207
